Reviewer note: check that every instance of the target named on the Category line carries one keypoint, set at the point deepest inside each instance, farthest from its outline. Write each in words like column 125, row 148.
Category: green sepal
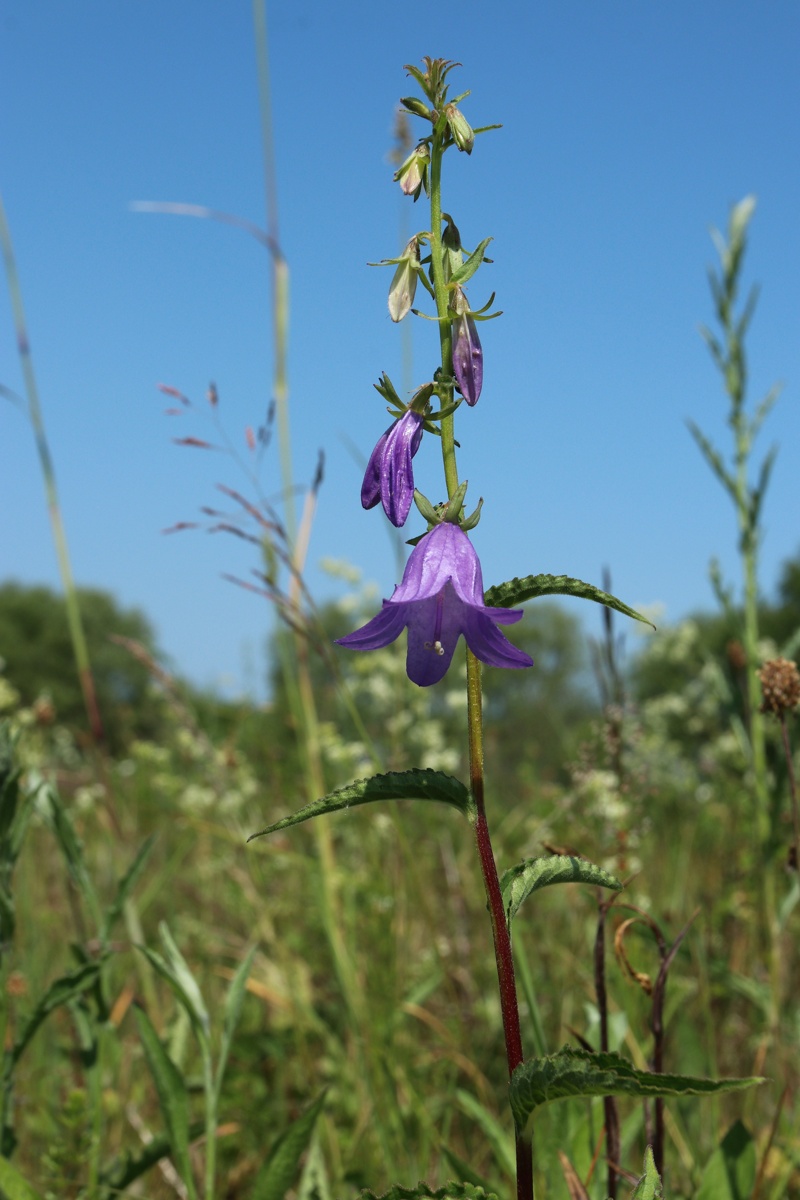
column 517, row 591
column 581, row 1073
column 534, row 873
column 452, row 510
column 468, row 268
column 423, row 1191
column 416, row 784
column 649, row 1186
column 474, row 517
column 426, row 509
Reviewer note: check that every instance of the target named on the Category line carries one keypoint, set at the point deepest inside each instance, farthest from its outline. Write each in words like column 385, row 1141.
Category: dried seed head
column 780, row 686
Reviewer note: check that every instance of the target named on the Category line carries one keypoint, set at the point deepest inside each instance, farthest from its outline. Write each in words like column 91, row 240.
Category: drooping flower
column 413, row 174
column 389, row 476
column 441, row 597
column 404, row 281
column 467, row 351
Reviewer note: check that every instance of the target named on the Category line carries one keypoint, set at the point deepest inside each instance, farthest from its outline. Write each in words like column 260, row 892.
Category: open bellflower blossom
column 441, row 597
column 389, row 476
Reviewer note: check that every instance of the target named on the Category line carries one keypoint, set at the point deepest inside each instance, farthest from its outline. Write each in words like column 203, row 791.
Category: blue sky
column 629, row 128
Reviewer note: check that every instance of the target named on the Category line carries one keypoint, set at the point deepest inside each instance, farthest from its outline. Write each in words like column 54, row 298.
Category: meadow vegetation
column 317, row 1011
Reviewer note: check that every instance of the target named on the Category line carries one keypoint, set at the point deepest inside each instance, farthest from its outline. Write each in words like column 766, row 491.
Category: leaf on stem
column 450, row 1191
column 581, row 1073
column 14, row 1185
column 649, row 1186
column 60, row 992
column 280, row 1170
column 517, row 591
column 534, row 873
column 172, row 1096
column 468, row 268
column 417, row 784
column 232, row 1012
column 730, row 1173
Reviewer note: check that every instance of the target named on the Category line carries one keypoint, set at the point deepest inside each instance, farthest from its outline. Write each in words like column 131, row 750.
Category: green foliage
column 649, row 1186
column 450, row 1191
column 517, row 591
column 280, row 1170
column 172, row 1096
column 531, row 874
column 396, row 785
column 38, row 657
column 14, row 1184
column 730, row 1173
column 581, row 1073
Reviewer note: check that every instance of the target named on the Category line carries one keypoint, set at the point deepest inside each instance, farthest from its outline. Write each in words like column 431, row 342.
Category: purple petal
column 380, row 631
column 396, row 471
column 371, row 487
column 489, row 645
column 467, row 358
column 434, row 627
column 445, row 555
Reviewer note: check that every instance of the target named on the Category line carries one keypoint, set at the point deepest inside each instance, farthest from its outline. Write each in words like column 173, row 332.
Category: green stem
column 74, row 621
column 500, row 932
column 442, row 304
column 502, row 938
column 210, row 1091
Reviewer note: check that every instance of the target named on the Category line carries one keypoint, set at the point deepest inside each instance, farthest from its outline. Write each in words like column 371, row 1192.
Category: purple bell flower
column 389, row 476
column 467, row 353
column 440, row 598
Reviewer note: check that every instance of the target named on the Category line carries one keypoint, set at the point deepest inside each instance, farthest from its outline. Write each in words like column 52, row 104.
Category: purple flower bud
column 441, row 597
column 467, row 352
column 389, row 476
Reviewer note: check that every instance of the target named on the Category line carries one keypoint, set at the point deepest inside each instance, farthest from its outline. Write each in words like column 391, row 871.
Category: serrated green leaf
column 730, row 1173
column 468, row 268
column 396, row 785
column 450, row 1191
column 580, row 1073
column 14, row 1186
column 172, row 1097
column 534, row 873
column 59, row 992
column 232, row 1012
column 649, row 1186
column 125, row 887
column 517, row 591
column 280, row 1170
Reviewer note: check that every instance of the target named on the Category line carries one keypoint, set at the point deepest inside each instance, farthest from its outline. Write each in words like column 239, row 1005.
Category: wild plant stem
column 210, row 1090
column 74, row 622
column 445, row 332
column 787, row 749
column 509, row 1006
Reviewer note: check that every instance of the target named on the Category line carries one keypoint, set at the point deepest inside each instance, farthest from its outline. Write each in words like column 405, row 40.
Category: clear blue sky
column 629, row 127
